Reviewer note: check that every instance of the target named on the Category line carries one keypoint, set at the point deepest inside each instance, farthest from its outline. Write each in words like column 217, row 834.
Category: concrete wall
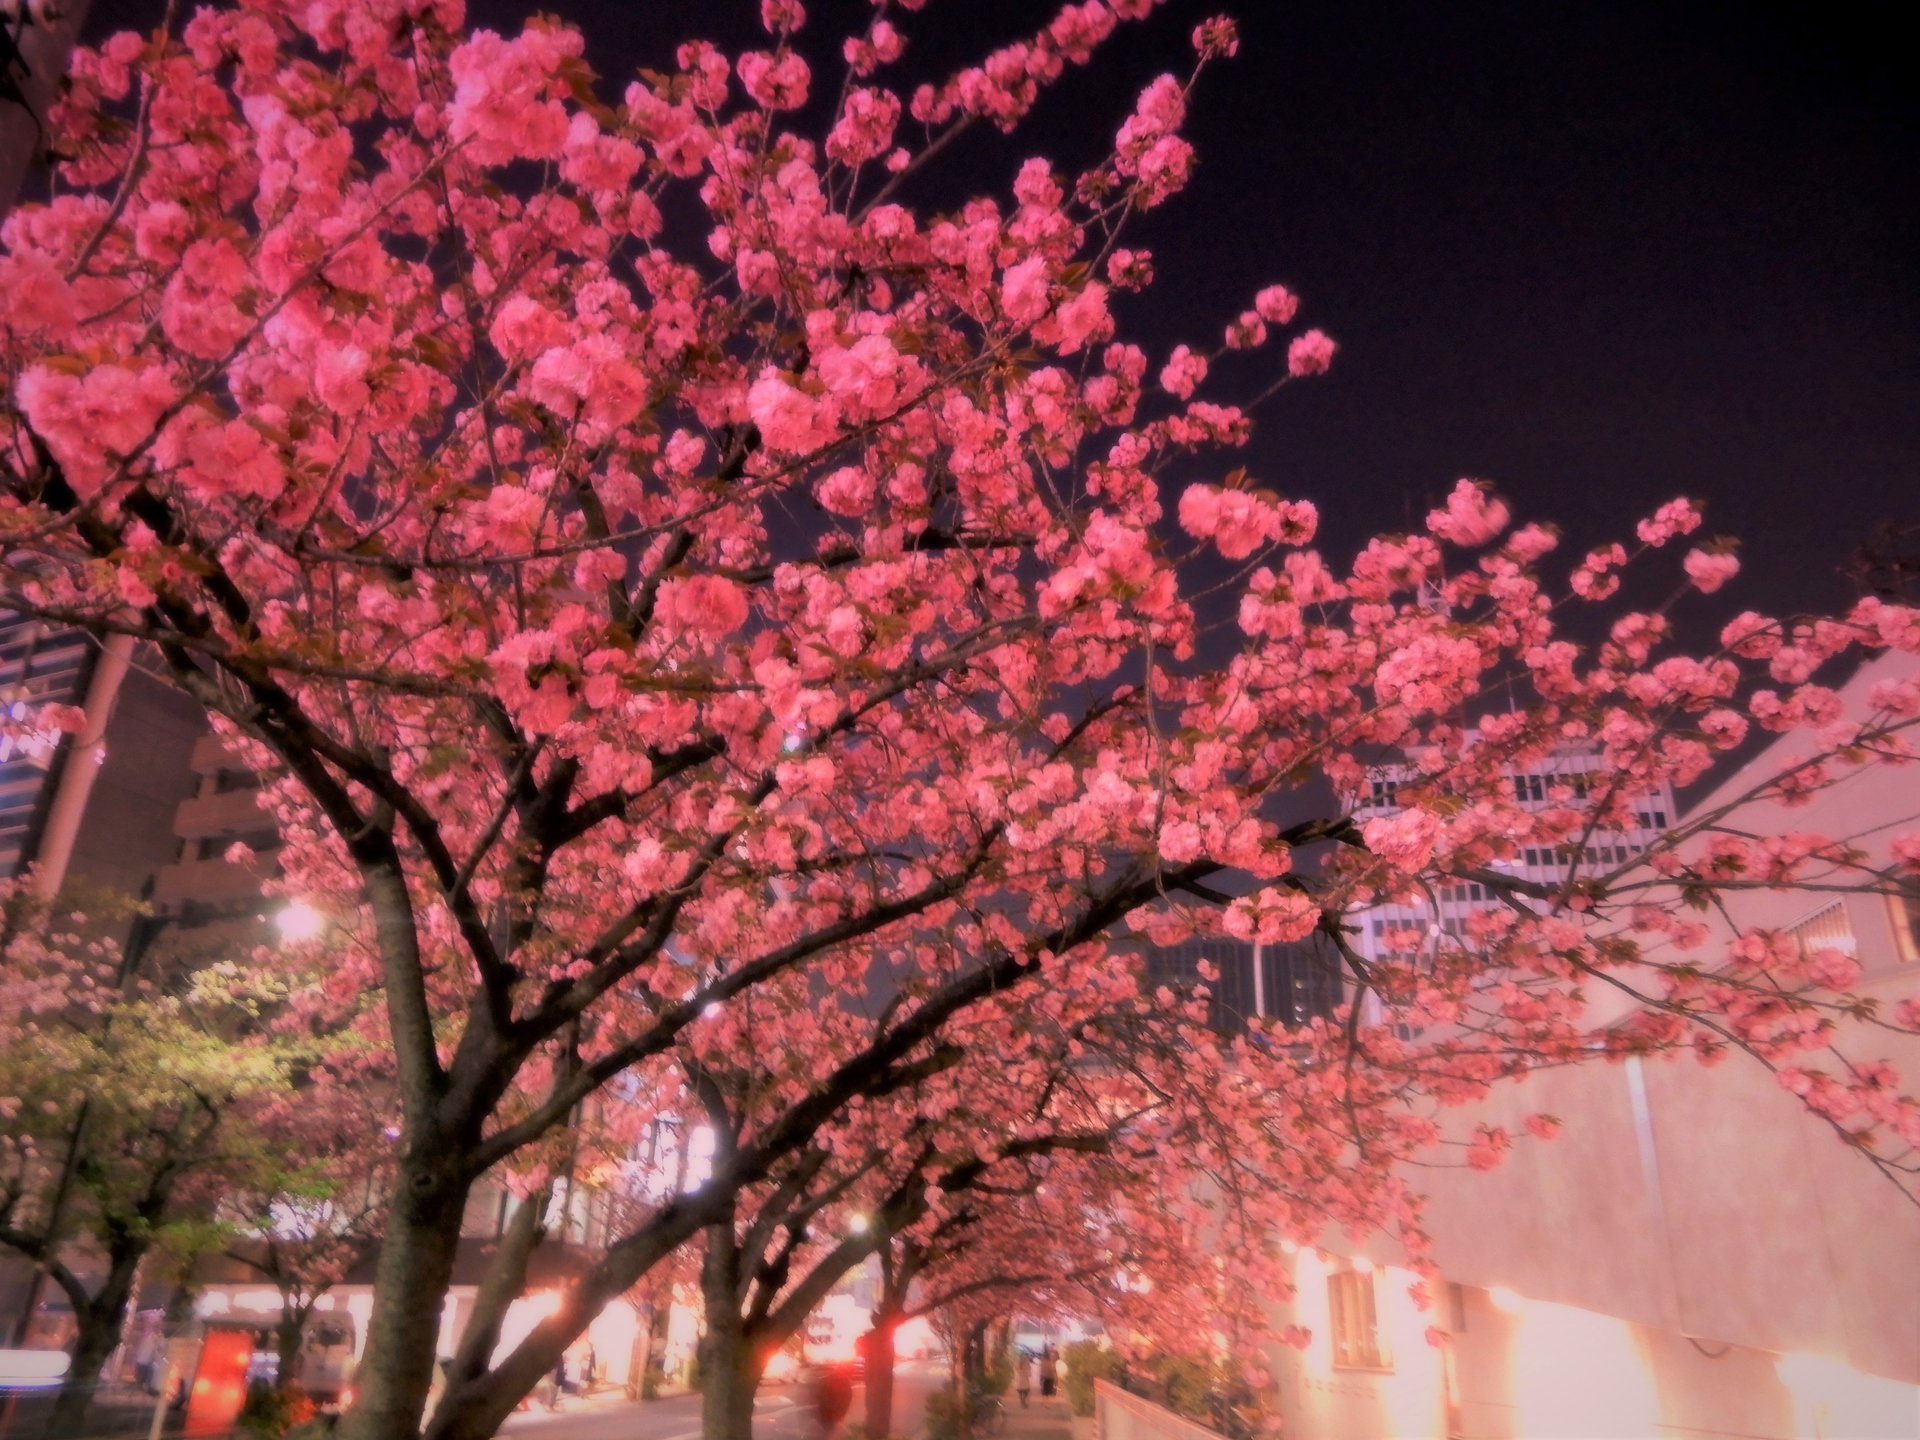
column 127, row 833
column 1119, row 1415
column 1694, row 1255
column 1708, row 1202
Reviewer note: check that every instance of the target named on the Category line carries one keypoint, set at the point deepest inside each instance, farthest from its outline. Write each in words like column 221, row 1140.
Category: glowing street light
column 299, row 921
column 857, row 1224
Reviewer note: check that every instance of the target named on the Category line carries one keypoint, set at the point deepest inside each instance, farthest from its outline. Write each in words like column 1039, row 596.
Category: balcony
column 235, row 813
column 210, row 882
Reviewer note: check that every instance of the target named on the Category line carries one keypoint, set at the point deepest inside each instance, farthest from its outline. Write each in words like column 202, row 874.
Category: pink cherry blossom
column 1472, row 516
column 776, row 82
column 1406, row 840
column 1183, row 372
column 1276, row 304
column 1710, row 569
column 1310, row 354
column 1676, row 517
column 709, row 606
column 339, row 379
column 1025, row 291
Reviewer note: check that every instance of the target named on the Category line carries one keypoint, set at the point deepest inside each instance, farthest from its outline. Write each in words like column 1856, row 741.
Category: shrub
column 1188, row 1381
column 946, row 1415
column 1087, row 1361
column 999, row 1375
column 270, row 1412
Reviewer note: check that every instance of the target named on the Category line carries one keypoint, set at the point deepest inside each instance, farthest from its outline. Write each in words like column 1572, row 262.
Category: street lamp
column 299, row 921
column 858, row 1224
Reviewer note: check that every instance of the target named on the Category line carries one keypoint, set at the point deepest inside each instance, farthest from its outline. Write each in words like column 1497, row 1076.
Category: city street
column 782, row 1412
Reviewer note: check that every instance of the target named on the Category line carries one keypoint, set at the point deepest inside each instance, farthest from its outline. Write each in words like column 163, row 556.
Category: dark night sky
column 1600, row 255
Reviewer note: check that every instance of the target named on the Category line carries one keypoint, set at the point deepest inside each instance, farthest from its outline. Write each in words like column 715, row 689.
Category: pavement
column 780, row 1412
column 1040, row 1420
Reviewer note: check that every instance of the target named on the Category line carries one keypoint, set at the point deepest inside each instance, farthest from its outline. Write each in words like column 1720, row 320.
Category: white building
column 1693, row 1256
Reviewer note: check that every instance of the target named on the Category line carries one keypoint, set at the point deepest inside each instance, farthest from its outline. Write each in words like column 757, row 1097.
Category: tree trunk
column 100, row 1321
column 506, row 1277
column 99, row 1334
column 729, row 1377
column 729, row 1369
column 880, row 1375
column 286, row 1337
column 410, row 1284
column 477, row 1409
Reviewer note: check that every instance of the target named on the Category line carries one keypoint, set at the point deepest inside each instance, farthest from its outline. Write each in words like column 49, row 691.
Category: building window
column 1903, row 913
column 1230, row 992
column 1528, row 787
column 1826, row 929
column 1301, row 980
column 1356, row 1322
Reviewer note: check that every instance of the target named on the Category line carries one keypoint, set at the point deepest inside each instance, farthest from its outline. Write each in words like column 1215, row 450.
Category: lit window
column 1356, row 1323
column 1826, row 929
column 1903, row 913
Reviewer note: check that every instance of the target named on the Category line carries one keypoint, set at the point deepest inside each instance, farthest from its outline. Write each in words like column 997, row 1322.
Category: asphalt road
column 781, row 1412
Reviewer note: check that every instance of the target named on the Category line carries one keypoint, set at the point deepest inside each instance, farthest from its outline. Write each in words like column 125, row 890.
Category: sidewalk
column 1040, row 1420
column 605, row 1397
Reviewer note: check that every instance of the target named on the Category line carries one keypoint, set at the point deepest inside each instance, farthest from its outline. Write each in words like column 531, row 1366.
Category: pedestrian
column 1049, row 1372
column 833, row 1396
column 1029, row 1367
column 559, row 1383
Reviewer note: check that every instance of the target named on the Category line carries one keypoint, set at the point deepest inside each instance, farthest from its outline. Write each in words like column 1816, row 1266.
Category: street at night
column 1214, row 712
column 781, row 1412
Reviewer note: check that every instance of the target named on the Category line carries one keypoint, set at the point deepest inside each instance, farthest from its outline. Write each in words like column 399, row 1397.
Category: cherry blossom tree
column 979, row 1132
column 1078, row 1235
column 310, row 1203
column 654, row 637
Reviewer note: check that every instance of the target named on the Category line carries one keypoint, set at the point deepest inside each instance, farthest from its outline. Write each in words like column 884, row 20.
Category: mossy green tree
column 129, row 1096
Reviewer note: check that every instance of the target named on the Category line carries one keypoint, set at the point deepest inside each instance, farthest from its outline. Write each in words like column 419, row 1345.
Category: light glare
column 299, row 921
column 1511, row 1301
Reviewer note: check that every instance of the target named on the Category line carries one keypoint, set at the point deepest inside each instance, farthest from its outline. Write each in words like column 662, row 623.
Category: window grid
column 1826, row 929
column 1355, row 1321
column 1903, row 914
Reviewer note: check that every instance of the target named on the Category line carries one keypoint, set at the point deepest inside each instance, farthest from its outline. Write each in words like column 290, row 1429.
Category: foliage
column 999, row 1372
column 271, row 1411
column 146, row 1094
column 946, row 1415
column 1188, row 1381
column 1086, row 1361
column 654, row 630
